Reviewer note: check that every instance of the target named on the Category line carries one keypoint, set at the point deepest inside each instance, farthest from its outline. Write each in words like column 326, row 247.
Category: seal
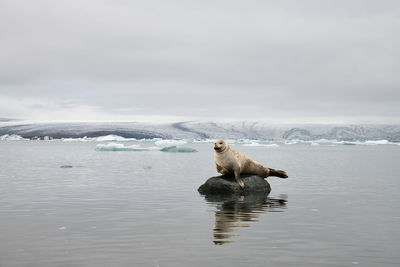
column 231, row 162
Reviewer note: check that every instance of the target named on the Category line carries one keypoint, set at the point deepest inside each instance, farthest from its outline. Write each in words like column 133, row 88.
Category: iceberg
column 113, row 137
column 121, row 147
column 323, row 141
column 368, row 142
column 81, row 139
column 175, row 149
column 293, row 141
column 169, row 143
column 12, row 137
column 349, row 144
column 377, row 142
column 255, row 144
column 204, row 140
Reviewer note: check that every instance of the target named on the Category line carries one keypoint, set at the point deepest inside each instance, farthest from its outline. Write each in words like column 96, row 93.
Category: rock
column 228, row 185
column 66, row 166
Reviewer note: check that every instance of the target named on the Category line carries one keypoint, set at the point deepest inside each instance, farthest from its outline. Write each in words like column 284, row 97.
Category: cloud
column 231, row 59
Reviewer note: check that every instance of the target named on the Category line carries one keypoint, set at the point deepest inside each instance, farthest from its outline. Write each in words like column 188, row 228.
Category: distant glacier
column 200, row 130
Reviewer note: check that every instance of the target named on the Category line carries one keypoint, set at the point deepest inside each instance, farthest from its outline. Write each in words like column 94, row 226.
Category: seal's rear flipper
column 278, row 173
column 240, row 182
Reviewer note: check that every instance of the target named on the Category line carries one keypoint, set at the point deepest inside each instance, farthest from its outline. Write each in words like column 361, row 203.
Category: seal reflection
column 234, row 212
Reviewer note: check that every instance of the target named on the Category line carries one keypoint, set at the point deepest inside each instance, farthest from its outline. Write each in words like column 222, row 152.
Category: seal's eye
column 220, row 143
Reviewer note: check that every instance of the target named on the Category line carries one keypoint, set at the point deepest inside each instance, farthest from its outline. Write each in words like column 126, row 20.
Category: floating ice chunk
column 323, row 141
column 12, row 137
column 113, row 137
column 205, row 141
column 253, row 144
column 243, row 141
column 349, row 144
column 368, row 142
column 148, row 139
column 110, row 147
column 121, row 147
column 168, row 143
column 329, row 142
column 314, row 144
column 175, row 149
column 81, row 139
column 377, row 142
column 293, row 142
column 258, row 144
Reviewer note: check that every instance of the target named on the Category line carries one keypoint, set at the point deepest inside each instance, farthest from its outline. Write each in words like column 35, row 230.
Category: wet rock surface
column 228, row 185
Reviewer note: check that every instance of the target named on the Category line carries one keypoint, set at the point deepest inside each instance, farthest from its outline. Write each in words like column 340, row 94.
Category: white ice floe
column 325, row 141
column 377, row 142
column 368, row 142
column 113, row 137
column 204, row 140
column 252, row 144
column 255, row 144
column 168, row 143
column 293, row 142
column 81, row 139
column 336, row 142
column 121, row 147
column 175, row 149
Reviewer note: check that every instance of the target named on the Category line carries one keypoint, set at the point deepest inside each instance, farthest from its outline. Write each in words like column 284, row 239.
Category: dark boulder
column 228, row 185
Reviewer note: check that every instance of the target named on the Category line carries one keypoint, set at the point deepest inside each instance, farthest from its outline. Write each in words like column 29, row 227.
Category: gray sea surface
column 68, row 204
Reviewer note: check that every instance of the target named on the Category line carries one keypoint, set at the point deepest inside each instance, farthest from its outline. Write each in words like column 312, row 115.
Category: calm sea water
column 66, row 204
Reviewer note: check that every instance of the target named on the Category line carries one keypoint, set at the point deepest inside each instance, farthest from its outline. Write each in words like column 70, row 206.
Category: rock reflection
column 234, row 212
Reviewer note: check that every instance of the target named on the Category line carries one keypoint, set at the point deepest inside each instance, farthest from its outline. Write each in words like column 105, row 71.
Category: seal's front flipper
column 221, row 170
column 278, row 173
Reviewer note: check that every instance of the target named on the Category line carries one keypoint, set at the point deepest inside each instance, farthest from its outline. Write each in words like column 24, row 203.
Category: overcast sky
column 294, row 61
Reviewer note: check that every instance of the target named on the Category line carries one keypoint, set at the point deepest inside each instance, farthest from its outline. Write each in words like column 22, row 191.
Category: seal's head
column 220, row 146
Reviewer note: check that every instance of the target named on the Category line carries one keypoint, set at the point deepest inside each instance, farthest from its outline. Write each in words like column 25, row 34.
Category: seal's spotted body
column 228, row 161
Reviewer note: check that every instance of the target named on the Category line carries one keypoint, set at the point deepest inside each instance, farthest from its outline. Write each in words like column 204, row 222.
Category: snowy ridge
column 207, row 132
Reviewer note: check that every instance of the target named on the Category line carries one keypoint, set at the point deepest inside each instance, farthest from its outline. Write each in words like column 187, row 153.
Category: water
column 66, row 204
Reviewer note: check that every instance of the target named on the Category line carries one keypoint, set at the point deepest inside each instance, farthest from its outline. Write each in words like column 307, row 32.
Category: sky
column 282, row 61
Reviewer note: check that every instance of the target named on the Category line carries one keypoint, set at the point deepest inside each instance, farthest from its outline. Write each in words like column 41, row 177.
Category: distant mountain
column 208, row 130
column 6, row 119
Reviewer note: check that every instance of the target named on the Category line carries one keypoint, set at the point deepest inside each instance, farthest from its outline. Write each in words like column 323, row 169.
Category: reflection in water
column 236, row 211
